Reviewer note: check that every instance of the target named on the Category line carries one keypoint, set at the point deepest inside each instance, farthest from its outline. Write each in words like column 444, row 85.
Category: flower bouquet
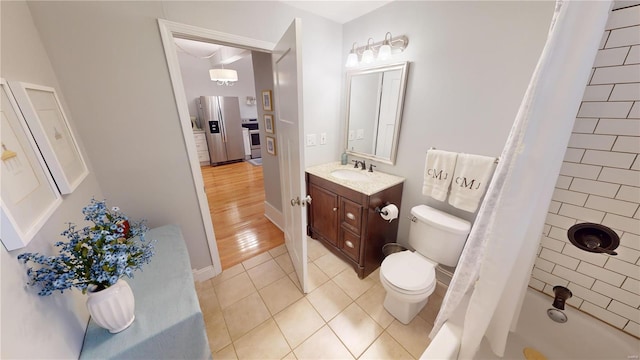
column 95, row 257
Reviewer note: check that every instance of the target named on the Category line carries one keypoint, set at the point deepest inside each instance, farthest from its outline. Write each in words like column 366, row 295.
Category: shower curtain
column 497, row 260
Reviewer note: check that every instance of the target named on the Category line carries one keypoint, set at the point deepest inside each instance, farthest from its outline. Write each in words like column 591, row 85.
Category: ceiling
column 338, row 11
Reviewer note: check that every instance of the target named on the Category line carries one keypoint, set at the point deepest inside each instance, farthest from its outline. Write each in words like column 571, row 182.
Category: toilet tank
column 437, row 235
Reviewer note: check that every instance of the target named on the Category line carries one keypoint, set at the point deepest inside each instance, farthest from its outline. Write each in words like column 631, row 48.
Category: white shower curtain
column 498, row 257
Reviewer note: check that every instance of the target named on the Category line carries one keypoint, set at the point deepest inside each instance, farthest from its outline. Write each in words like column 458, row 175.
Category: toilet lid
column 408, row 271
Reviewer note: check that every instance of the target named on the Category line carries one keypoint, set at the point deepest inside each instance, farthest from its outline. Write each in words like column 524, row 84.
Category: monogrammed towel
column 470, row 181
column 438, row 172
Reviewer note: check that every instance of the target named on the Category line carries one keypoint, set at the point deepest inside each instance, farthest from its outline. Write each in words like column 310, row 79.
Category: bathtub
column 581, row 337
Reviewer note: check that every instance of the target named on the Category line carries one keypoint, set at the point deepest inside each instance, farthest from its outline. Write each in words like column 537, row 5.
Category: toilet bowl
column 409, row 279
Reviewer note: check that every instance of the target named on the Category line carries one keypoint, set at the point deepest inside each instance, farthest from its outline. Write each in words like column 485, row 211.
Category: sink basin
column 351, row 175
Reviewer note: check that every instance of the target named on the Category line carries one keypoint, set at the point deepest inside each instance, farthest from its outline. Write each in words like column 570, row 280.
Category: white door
column 287, row 71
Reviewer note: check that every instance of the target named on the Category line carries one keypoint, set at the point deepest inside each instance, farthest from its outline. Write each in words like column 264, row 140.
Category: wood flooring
column 235, row 193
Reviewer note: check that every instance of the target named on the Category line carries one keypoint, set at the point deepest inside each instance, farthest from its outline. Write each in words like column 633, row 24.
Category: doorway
column 230, row 158
column 168, row 30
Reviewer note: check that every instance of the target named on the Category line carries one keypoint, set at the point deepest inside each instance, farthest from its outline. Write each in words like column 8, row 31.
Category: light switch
column 323, row 138
column 352, row 135
column 311, row 139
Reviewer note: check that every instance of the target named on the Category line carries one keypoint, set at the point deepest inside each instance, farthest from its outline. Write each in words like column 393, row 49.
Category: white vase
column 113, row 307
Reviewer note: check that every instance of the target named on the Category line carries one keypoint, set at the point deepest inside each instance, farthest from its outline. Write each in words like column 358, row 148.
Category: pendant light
column 224, row 76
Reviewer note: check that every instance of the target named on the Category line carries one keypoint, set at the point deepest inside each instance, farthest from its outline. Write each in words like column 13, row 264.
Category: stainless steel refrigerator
column 223, row 127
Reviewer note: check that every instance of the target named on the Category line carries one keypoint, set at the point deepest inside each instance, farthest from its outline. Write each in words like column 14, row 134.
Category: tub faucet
column 562, row 294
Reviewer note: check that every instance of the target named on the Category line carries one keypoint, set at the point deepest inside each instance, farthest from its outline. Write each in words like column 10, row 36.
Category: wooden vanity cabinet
column 345, row 221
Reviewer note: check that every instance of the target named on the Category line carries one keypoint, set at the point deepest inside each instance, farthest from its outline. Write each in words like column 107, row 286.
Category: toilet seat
column 409, row 273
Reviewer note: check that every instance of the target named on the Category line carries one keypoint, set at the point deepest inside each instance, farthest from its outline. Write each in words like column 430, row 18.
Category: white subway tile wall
column 600, row 182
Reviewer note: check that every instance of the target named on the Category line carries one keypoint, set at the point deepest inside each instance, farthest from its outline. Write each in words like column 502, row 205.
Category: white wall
column 114, row 74
column 195, row 76
column 600, row 183
column 270, row 166
column 32, row 326
column 470, row 65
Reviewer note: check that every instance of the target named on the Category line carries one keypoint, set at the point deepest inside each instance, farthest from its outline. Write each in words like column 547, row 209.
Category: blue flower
column 94, row 255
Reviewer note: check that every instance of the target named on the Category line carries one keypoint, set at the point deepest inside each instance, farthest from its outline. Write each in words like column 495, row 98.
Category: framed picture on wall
column 48, row 123
column 271, row 145
column 267, row 104
column 28, row 193
column 268, row 123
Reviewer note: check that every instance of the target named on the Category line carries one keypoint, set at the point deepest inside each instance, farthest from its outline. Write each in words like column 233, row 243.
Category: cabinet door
column 324, row 213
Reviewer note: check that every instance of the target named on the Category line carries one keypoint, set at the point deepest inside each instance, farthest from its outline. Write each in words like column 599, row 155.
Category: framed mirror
column 375, row 98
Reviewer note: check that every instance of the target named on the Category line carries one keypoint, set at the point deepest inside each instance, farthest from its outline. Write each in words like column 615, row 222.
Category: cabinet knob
column 350, row 216
column 349, row 244
column 335, row 209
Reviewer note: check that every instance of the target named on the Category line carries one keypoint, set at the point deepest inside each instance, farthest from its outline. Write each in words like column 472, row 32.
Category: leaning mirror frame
column 403, row 68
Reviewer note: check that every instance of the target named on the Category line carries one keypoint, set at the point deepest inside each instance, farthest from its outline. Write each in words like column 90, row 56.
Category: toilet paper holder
column 388, row 212
column 378, row 210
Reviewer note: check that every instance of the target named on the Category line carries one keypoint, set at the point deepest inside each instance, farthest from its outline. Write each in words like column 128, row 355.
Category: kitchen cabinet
column 201, row 146
column 345, row 221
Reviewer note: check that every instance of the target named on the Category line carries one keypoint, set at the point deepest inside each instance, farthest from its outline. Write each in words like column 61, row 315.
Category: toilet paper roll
column 389, row 212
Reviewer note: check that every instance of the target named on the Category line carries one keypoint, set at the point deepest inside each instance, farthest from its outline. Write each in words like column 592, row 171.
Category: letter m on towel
column 437, row 174
column 463, row 182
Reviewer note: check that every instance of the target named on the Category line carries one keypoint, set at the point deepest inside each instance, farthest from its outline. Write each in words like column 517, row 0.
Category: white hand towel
column 438, row 172
column 470, row 181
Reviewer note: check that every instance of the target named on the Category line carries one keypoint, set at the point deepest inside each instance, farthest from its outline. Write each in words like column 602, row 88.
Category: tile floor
column 255, row 310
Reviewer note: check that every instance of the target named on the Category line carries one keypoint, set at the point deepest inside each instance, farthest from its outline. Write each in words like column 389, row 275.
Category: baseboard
column 274, row 215
column 203, row 274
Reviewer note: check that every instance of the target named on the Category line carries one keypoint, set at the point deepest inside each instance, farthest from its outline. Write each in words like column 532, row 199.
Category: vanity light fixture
column 352, row 58
column 367, row 55
column 224, row 76
column 251, row 100
column 384, row 52
column 380, row 51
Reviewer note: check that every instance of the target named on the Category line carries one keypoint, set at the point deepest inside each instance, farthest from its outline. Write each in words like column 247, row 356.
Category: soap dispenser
column 343, row 158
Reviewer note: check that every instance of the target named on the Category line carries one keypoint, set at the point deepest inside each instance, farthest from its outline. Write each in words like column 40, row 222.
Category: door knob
column 295, row 201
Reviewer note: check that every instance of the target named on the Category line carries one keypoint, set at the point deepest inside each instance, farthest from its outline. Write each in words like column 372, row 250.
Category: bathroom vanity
column 342, row 213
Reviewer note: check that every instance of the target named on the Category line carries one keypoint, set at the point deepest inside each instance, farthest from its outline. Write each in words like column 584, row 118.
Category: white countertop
column 379, row 180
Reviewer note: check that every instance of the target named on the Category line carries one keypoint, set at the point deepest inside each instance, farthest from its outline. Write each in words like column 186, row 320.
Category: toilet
column 409, row 277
